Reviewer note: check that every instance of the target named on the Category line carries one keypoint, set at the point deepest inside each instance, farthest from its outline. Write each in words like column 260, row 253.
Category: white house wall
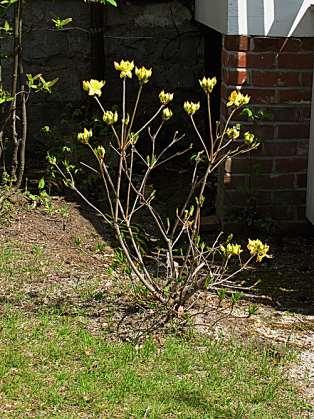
column 258, row 17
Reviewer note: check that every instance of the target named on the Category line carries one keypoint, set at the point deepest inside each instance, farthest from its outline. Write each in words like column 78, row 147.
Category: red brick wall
column 277, row 73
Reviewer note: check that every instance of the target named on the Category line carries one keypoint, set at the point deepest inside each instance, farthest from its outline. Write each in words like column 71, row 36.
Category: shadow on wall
column 271, row 17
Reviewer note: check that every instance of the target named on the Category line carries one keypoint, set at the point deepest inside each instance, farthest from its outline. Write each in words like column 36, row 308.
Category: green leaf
column 61, row 23
column 41, row 183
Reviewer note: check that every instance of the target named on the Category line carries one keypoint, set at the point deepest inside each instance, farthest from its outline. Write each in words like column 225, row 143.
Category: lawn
column 51, row 365
column 58, row 357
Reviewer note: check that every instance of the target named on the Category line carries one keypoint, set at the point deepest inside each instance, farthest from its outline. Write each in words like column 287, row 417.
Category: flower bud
column 110, row 117
column 166, row 114
column 208, row 84
column 125, row 68
column 85, row 136
column 190, row 107
column 232, row 249
column 93, row 87
column 258, row 249
column 100, row 152
column 238, row 99
column 165, row 98
column 233, row 133
column 143, row 74
column 249, row 138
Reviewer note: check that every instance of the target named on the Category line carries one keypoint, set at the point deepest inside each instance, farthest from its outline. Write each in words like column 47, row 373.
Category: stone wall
column 64, row 54
column 158, row 34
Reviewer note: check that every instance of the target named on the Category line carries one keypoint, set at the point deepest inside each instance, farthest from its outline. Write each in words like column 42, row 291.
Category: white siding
column 257, row 17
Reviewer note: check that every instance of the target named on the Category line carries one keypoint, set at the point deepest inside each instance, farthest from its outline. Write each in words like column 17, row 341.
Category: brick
column 301, row 180
column 258, row 96
column 250, row 166
column 306, row 79
column 302, row 148
column 236, row 43
column 286, row 212
column 294, row 95
column 236, row 77
column 282, row 181
column 240, row 198
column 308, row 44
column 291, row 165
column 295, row 114
column 264, row 132
column 301, row 212
column 276, row 149
column 261, row 96
column 286, row 197
column 261, row 44
column 294, row 131
column 296, row 61
column 275, row 78
column 248, row 60
column 235, row 181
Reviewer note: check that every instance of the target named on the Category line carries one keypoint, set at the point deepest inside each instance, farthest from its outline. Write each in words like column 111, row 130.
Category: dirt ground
column 76, row 242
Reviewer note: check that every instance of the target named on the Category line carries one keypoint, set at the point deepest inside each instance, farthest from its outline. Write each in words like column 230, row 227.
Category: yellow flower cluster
column 143, row 74
column 232, row 249
column 208, row 84
column 85, row 136
column 110, row 117
column 191, row 107
column 258, row 249
column 233, row 133
column 93, row 87
column 166, row 114
column 125, row 68
column 165, row 98
column 238, row 99
column 249, row 138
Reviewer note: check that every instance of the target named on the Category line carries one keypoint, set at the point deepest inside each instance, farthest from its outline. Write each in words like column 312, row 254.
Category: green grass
column 52, row 366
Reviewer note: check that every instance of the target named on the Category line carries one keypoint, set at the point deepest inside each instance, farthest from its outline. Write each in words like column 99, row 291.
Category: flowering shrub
column 176, row 266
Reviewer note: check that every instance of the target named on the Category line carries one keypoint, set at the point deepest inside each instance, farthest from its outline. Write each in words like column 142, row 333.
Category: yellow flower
column 233, row 133
column 93, row 87
column 190, row 107
column 238, row 99
column 100, row 152
column 249, row 138
column 258, row 249
column 125, row 68
column 232, row 249
column 208, row 84
column 84, row 136
column 110, row 117
column 143, row 74
column 165, row 98
column 166, row 114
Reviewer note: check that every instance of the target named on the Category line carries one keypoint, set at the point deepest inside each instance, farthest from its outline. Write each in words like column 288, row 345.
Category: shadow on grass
column 285, row 282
